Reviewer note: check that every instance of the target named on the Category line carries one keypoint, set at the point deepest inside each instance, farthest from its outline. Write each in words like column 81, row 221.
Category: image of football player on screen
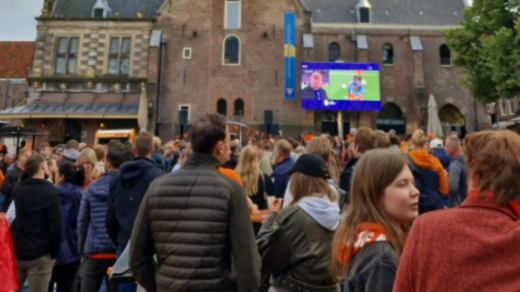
column 315, row 88
column 355, row 88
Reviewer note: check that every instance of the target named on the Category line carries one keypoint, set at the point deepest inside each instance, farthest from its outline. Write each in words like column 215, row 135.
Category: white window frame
column 224, row 51
column 184, row 51
column 511, row 109
column 503, row 108
column 239, row 13
column 189, row 109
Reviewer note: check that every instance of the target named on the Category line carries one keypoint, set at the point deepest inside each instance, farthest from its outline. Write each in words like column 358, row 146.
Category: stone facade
column 90, row 85
column 94, row 38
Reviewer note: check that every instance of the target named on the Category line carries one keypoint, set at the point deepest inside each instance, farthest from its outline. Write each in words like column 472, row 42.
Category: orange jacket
column 425, row 160
column 231, row 174
column 1, row 178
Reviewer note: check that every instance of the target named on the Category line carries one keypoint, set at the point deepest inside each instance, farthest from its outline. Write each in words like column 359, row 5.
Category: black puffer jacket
column 195, row 220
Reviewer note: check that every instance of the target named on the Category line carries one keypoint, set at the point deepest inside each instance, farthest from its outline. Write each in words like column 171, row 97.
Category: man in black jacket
column 37, row 227
column 197, row 222
column 363, row 141
column 127, row 191
column 13, row 177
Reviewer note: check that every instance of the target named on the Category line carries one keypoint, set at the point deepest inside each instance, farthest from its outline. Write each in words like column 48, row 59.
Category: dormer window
column 364, row 15
column 99, row 13
column 100, row 9
column 363, row 11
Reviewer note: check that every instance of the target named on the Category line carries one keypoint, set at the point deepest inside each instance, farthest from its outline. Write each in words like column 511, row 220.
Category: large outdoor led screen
column 340, row 86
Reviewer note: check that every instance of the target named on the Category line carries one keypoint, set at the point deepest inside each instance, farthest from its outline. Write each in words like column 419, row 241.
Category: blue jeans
column 126, row 287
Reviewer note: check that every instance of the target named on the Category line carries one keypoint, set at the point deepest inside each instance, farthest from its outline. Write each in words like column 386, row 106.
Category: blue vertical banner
column 289, row 28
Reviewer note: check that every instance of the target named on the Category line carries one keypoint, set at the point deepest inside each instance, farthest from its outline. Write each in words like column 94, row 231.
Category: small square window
column 186, row 53
column 99, row 13
column 185, row 107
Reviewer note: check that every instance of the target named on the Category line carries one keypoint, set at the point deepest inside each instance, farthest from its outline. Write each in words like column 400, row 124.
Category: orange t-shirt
column 231, row 174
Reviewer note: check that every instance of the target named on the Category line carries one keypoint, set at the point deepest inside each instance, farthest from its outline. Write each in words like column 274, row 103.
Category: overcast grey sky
column 17, row 19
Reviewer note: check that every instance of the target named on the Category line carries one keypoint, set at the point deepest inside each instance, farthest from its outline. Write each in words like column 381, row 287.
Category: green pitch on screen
column 339, row 81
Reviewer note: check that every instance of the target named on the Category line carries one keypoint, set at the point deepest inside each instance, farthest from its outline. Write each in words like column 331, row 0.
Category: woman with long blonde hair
column 257, row 185
column 88, row 160
column 371, row 237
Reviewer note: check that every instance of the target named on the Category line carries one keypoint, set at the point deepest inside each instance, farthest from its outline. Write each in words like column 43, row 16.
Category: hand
column 254, row 210
column 275, row 205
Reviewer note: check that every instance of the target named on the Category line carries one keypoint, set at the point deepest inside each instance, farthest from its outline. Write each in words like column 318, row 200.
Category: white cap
column 436, row 143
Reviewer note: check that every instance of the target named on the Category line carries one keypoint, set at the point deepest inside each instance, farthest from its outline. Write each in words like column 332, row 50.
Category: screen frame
column 347, row 105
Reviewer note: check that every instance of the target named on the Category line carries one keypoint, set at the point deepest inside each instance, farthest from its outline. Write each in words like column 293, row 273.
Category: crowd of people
column 376, row 212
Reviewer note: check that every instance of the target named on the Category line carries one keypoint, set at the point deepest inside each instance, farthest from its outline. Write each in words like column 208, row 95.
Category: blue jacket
column 280, row 177
column 345, row 181
column 126, row 193
column 70, row 196
column 92, row 233
column 443, row 157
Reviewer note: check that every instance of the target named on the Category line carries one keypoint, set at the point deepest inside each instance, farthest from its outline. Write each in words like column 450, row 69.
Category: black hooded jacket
column 126, row 193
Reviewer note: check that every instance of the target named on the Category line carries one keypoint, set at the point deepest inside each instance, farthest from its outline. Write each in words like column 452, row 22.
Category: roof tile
column 16, row 59
column 401, row 12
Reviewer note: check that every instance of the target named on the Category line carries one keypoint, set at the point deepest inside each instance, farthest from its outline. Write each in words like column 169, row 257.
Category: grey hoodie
column 323, row 211
column 287, row 197
column 71, row 154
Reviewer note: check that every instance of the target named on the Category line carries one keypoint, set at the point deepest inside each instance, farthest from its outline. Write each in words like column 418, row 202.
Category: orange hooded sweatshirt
column 424, row 160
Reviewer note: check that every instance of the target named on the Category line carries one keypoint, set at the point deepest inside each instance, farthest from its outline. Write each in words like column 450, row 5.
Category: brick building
column 226, row 56
column 90, row 68
column 15, row 63
column 201, row 77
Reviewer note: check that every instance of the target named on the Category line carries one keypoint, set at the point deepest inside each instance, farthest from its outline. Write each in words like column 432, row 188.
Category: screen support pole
column 340, row 126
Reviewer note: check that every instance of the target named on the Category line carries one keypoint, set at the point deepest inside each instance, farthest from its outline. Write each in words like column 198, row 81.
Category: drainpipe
column 160, row 89
column 354, row 60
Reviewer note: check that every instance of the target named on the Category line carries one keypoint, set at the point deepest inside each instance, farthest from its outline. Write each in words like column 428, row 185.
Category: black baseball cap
column 311, row 165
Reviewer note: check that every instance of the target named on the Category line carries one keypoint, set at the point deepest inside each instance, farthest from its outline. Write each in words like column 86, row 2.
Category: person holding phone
column 296, row 243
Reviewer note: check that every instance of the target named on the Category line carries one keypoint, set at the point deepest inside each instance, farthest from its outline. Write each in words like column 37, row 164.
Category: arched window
column 445, row 55
column 239, row 107
column 388, row 54
column 334, row 52
column 222, row 107
column 231, row 51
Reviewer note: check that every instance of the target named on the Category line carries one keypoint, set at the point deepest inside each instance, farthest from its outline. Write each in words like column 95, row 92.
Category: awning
column 78, row 111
